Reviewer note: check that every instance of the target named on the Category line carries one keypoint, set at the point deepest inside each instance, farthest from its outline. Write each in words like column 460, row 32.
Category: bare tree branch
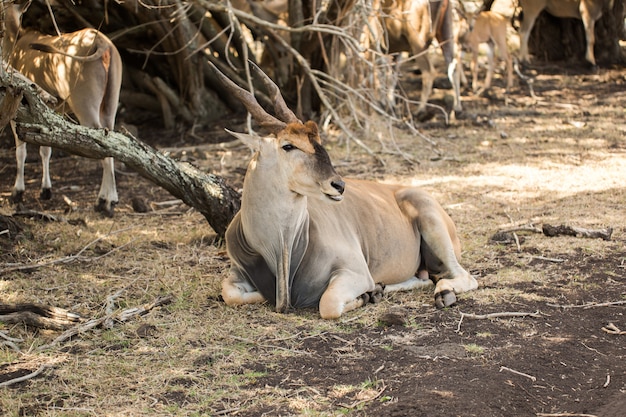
column 208, row 193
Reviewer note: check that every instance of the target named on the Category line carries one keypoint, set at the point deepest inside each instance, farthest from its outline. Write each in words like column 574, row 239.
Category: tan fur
column 303, row 237
column 301, row 136
column 299, row 240
column 84, row 70
column 489, row 27
column 589, row 11
column 411, row 26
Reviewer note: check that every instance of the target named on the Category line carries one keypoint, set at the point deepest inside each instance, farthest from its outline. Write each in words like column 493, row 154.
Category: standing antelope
column 589, row 11
column 487, row 27
column 411, row 26
column 304, row 237
column 82, row 68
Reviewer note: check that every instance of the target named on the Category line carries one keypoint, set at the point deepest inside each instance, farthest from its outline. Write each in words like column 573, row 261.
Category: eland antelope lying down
column 84, row 70
column 304, row 237
column 589, row 11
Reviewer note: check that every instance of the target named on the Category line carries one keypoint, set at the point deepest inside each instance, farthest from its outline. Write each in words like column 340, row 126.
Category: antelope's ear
column 251, row 141
column 313, row 131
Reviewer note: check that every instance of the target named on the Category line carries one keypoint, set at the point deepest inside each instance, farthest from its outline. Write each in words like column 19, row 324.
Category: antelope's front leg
column 490, row 67
column 20, row 158
column 456, row 76
column 345, row 293
column 45, row 152
column 474, row 70
column 237, row 290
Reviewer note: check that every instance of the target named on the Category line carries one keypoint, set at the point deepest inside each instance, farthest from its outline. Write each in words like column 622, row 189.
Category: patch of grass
column 7, row 355
column 342, row 390
column 474, row 350
column 414, row 324
column 368, row 384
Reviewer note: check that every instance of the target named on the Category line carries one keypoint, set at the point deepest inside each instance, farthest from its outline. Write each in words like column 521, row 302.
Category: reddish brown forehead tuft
column 301, row 135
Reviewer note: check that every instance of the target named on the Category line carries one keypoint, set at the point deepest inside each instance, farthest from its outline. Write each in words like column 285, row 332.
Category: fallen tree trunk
column 37, row 124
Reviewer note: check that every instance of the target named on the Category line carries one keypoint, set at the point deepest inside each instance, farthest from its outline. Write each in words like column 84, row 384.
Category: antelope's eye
column 288, row 147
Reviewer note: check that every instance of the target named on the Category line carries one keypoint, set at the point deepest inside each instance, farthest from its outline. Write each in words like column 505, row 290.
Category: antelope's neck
column 272, row 215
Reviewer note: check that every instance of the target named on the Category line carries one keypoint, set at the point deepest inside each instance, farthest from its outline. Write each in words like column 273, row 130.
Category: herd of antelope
column 305, row 237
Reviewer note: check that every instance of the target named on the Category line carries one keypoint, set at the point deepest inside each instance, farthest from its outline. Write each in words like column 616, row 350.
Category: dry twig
column 590, row 305
column 495, row 316
column 10, row 344
column 25, row 377
column 513, row 371
column 121, row 317
column 10, row 341
column 525, row 228
column 613, row 329
column 543, row 258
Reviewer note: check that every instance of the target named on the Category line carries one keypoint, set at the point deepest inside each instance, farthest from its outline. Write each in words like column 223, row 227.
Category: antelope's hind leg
column 88, row 113
column 440, row 247
column 421, row 280
column 107, row 197
column 45, row 152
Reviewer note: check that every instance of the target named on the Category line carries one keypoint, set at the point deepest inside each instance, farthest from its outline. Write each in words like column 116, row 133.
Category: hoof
column 45, row 194
column 377, row 295
column 283, row 309
column 16, row 196
column 106, row 208
column 444, row 299
column 365, row 297
column 442, row 83
column 463, row 115
column 374, row 296
column 424, row 115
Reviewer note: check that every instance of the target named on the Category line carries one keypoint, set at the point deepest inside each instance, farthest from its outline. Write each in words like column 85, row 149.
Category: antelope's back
column 59, row 74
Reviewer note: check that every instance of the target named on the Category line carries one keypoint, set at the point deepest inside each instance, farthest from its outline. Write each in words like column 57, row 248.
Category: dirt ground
column 544, row 335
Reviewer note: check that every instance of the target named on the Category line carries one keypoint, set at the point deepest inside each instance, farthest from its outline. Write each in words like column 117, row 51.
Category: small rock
column 146, row 330
column 140, row 205
column 396, row 316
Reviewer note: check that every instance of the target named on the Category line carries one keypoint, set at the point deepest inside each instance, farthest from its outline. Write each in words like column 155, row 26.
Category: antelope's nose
column 339, row 185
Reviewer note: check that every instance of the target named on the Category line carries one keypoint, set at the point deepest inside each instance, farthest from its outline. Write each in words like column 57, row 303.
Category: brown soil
column 509, row 161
